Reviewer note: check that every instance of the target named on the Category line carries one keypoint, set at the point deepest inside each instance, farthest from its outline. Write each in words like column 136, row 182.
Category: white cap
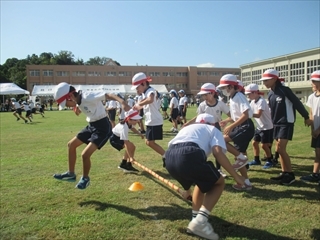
column 251, row 88
column 132, row 114
column 315, row 76
column 181, row 91
column 269, row 74
column 139, row 78
column 207, row 88
column 205, row 118
column 61, row 93
column 173, row 91
column 228, row 79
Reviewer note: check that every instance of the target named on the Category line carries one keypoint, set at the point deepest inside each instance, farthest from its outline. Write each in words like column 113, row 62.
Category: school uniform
column 182, row 101
column 27, row 109
column 215, row 110
column 313, row 102
column 186, row 157
column 174, row 105
column 283, row 103
column 264, row 126
column 120, row 133
column 242, row 134
column 17, row 107
column 99, row 128
column 112, row 112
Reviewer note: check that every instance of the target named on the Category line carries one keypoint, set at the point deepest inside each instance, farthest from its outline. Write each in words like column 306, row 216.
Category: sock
column 271, row 156
column 124, row 161
column 257, row 158
column 194, row 214
column 241, row 156
column 202, row 215
column 247, row 181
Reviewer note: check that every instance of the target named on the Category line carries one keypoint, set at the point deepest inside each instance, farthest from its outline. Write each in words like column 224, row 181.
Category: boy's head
column 181, row 93
column 62, row 94
column 252, row 91
column 140, row 82
column 315, row 80
column 270, row 77
column 207, row 90
column 132, row 117
column 228, row 84
column 205, row 118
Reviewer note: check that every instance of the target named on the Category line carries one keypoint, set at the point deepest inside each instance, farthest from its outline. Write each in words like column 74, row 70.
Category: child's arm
column 124, row 104
column 258, row 114
column 137, row 132
column 244, row 117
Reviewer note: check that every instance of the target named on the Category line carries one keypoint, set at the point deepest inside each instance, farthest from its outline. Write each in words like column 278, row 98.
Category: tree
column 97, row 61
column 64, row 58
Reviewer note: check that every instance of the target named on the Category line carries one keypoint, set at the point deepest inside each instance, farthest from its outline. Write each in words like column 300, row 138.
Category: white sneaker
column 222, row 173
column 241, row 162
column 172, row 129
column 202, row 230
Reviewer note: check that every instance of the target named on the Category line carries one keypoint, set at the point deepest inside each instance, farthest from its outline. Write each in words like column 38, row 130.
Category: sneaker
column 175, row 130
column 254, row 162
column 279, row 177
column 311, row 178
column 83, row 183
column 65, row 177
column 287, row 179
column 275, row 162
column 240, row 163
column 18, row 119
column 222, row 173
column 202, row 230
column 268, row 165
column 123, row 166
column 130, row 168
column 244, row 187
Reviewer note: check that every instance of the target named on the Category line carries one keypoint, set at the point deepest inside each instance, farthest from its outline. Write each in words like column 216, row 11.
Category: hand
column 186, row 194
column 222, row 123
column 77, row 110
column 227, row 130
column 137, row 107
column 315, row 133
column 308, row 122
column 239, row 179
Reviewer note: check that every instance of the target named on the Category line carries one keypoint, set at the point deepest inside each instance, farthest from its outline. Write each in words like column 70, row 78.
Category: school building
column 295, row 68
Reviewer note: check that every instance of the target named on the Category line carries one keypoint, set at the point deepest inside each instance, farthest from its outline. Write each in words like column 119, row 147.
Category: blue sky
column 160, row 33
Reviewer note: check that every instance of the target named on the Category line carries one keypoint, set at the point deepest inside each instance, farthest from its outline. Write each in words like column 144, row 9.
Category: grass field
column 36, row 206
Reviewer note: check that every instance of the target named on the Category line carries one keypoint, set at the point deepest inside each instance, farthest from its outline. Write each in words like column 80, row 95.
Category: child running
column 241, row 129
column 313, row 103
column 283, row 103
column 95, row 135
column 186, row 161
column 153, row 117
column 120, row 139
column 264, row 126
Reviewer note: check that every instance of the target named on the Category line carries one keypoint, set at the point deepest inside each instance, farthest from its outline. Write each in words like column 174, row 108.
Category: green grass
column 36, row 206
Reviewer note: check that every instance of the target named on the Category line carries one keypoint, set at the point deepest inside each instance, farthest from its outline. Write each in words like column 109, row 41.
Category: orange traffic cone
column 136, row 186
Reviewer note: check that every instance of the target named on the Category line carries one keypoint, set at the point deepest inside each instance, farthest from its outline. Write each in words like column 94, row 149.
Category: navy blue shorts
column 112, row 114
column 154, row 133
column 187, row 163
column 116, row 142
column 141, row 112
column 315, row 142
column 28, row 113
column 18, row 110
column 175, row 113
column 181, row 112
column 263, row 136
column 242, row 135
column 96, row 132
column 283, row 132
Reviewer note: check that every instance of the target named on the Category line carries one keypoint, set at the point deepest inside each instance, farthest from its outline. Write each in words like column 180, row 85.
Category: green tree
column 97, row 61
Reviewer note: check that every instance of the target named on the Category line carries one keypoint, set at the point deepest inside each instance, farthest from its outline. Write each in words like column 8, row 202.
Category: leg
column 72, row 153
column 86, row 154
column 155, row 147
column 281, row 148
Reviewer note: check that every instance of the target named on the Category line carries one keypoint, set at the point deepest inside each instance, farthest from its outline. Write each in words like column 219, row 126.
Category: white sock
column 202, row 215
column 194, row 214
column 247, row 181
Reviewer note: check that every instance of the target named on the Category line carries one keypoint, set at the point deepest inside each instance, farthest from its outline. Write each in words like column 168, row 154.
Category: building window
column 202, row 73
column 110, row 74
column 214, row 74
column 34, row 73
column 168, row 74
column 297, row 72
column 94, row 74
column 283, row 71
column 62, row 73
column 154, row 74
column 256, row 76
column 79, row 74
column 47, row 73
column 312, row 66
column 181, row 74
column 124, row 74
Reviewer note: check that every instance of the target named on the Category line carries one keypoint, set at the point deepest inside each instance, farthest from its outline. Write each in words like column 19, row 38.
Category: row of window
column 210, row 73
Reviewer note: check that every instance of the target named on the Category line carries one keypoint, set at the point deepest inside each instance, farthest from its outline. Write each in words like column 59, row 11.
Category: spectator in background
column 183, row 105
column 164, row 106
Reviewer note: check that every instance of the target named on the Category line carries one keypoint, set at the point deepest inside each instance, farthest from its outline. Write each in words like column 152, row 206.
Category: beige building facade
column 295, row 68
column 188, row 78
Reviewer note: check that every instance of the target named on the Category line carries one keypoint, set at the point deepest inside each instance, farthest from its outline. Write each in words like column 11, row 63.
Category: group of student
column 28, row 106
column 186, row 156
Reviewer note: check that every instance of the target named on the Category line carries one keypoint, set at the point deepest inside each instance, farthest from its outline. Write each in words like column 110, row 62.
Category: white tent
column 11, row 89
column 47, row 90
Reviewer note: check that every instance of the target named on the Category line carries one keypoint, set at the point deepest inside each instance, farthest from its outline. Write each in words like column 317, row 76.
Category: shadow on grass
column 299, row 170
column 175, row 212
column 302, row 157
column 315, row 234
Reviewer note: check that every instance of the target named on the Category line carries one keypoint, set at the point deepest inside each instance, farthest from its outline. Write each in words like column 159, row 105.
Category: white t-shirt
column 121, row 130
column 214, row 110
column 238, row 105
column 16, row 105
column 112, row 104
column 92, row 106
column 205, row 135
column 183, row 100
column 264, row 122
column 26, row 107
column 313, row 102
column 131, row 102
column 173, row 103
column 31, row 105
column 121, row 110
column 152, row 114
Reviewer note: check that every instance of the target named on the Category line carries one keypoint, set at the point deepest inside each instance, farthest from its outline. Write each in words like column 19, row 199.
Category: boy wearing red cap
column 313, row 103
column 283, row 103
column 95, row 135
column 153, row 117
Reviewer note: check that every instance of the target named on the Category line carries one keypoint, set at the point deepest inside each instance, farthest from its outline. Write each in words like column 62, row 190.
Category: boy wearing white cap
column 313, row 103
column 283, row 103
column 213, row 107
column 120, row 139
column 186, row 161
column 183, row 104
column 264, row 126
column 241, row 129
column 17, row 110
column 95, row 135
column 174, row 110
column 153, row 117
